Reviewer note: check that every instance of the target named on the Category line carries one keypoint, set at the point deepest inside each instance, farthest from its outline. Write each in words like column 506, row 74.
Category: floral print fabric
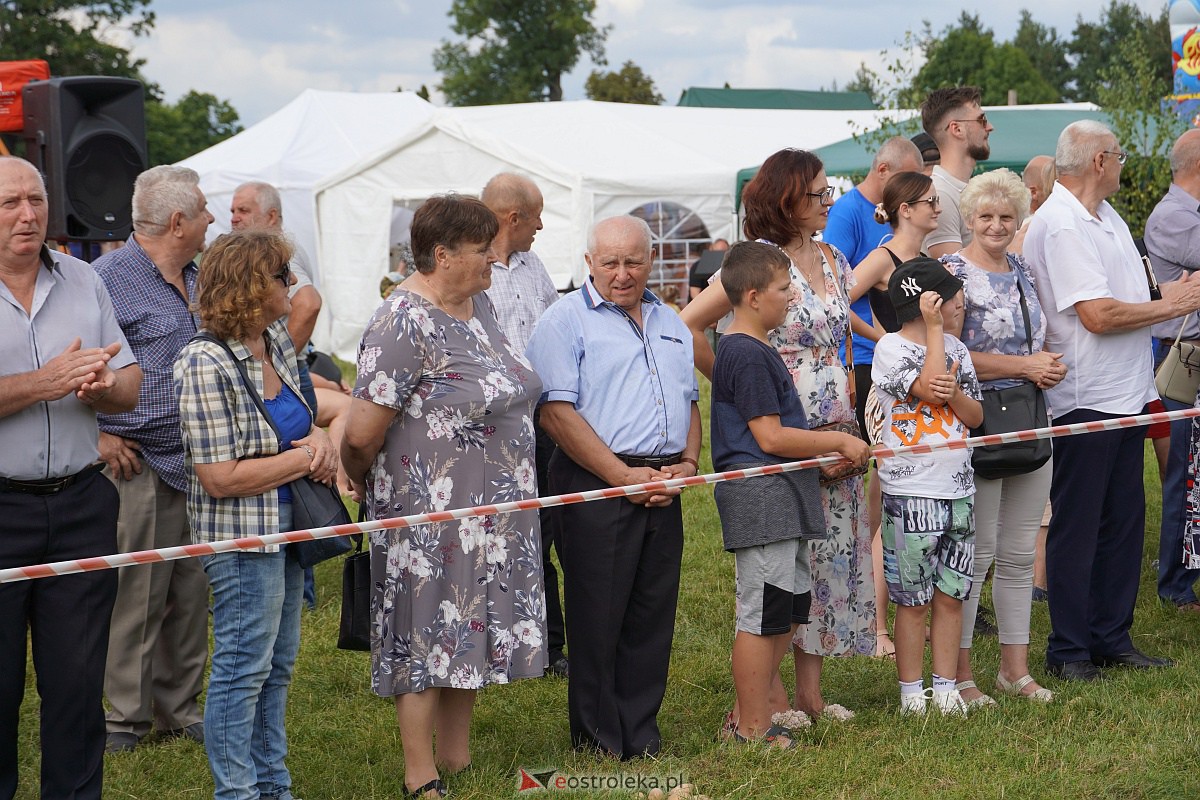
column 842, row 616
column 456, row 603
column 993, row 322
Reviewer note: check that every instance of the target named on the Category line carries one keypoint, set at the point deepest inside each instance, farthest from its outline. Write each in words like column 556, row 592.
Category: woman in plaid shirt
column 238, row 473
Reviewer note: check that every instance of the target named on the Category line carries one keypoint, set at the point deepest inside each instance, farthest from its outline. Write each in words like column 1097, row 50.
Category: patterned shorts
column 928, row 543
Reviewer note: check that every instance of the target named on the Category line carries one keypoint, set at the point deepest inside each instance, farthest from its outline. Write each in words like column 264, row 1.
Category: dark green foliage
column 515, row 51
column 630, row 85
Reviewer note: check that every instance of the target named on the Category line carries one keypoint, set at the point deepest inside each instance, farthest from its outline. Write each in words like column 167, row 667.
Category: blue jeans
column 1175, row 582
column 256, row 634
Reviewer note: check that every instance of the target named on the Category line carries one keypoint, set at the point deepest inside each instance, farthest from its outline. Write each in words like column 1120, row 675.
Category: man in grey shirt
column 62, row 359
column 1173, row 244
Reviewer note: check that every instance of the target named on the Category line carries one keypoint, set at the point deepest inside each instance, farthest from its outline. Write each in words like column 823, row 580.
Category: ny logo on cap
column 909, row 287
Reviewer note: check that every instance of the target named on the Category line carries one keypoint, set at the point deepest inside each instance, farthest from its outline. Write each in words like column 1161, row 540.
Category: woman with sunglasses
column 787, row 205
column 911, row 208
column 238, row 471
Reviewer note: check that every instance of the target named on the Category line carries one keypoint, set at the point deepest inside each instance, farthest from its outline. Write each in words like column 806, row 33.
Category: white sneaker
column 914, row 704
column 950, row 703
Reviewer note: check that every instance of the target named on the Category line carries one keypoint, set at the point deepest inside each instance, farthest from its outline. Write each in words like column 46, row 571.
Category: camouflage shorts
column 928, row 543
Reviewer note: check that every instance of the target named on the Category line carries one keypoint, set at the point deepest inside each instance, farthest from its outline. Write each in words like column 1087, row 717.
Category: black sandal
column 435, row 785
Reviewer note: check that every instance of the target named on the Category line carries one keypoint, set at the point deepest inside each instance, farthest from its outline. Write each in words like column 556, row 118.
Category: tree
column 72, row 36
column 1094, row 44
column 967, row 54
column 630, row 85
column 956, row 56
column 195, row 123
column 866, row 80
column 1006, row 67
column 1131, row 93
column 515, row 50
column 1046, row 52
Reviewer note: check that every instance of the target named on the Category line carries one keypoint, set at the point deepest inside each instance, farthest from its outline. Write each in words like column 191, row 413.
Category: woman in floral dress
column 787, row 204
column 443, row 419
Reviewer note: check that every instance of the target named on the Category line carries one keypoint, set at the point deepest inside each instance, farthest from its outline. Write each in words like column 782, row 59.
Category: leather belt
column 49, row 485
column 654, row 462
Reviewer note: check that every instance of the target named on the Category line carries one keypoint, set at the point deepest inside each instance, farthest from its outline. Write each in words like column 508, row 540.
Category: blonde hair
column 1000, row 186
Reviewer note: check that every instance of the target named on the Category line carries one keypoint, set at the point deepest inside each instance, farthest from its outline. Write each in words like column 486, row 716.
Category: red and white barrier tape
column 14, row 574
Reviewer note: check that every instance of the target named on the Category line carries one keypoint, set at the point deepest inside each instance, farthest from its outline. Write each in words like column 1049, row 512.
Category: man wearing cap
column 1094, row 294
column 62, row 359
column 521, row 290
column 621, row 402
column 955, row 121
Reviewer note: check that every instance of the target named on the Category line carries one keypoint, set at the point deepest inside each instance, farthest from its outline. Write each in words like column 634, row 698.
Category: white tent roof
column 316, row 135
column 590, row 159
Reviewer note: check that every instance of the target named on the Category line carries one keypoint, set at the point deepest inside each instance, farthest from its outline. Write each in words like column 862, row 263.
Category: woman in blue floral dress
column 443, row 419
column 787, row 204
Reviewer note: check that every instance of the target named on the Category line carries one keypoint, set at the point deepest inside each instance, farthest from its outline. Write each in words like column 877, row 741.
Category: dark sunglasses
column 284, row 275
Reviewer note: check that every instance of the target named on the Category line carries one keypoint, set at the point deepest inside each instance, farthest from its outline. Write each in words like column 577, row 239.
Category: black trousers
column 555, row 629
column 68, row 617
column 1094, row 543
column 621, row 568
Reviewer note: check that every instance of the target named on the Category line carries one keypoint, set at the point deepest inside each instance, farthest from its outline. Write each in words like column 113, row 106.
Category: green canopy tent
column 1020, row 134
column 776, row 98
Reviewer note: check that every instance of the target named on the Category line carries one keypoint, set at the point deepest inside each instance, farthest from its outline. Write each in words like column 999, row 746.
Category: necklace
column 807, row 261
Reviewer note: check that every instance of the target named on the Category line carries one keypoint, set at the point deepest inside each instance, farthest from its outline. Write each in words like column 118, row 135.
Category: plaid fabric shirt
column 157, row 322
column 521, row 290
column 220, row 422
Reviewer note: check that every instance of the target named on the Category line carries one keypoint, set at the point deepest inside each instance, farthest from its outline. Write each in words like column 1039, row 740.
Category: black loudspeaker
column 88, row 137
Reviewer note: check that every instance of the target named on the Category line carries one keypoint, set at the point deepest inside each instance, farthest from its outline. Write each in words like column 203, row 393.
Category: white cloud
column 260, row 54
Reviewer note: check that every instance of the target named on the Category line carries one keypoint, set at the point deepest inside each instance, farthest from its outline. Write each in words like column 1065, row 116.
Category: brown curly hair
column 237, row 275
column 777, row 193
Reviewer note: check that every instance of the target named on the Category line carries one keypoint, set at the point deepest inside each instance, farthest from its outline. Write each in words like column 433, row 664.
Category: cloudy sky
column 260, row 54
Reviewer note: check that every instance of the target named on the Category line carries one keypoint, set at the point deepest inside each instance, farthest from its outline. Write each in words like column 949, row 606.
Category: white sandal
column 838, row 713
column 1041, row 694
column 979, row 702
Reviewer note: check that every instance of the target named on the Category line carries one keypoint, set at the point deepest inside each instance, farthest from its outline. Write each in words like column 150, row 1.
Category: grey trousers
column 158, row 639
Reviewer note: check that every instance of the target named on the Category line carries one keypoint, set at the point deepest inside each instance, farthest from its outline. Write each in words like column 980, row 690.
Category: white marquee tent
column 316, row 135
column 590, row 160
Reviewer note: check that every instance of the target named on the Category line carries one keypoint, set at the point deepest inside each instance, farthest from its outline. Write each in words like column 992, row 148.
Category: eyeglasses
column 825, row 196
column 933, row 200
column 284, row 275
column 981, row 119
column 1121, row 157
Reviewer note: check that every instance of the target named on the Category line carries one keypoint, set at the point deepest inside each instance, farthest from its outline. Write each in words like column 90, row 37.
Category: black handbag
column 354, row 630
column 314, row 505
column 1017, row 408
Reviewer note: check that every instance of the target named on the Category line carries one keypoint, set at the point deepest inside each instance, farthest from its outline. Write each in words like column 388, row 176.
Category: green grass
column 1134, row 736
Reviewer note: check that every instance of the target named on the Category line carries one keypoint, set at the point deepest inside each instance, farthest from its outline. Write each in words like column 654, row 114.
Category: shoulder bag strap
column 209, row 337
column 1024, row 308
column 837, row 280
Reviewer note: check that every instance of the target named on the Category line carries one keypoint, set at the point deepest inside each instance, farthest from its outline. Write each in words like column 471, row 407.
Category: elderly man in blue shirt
column 620, row 400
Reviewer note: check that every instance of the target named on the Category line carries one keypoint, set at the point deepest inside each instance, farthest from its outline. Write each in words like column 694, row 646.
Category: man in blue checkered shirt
column 158, row 642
